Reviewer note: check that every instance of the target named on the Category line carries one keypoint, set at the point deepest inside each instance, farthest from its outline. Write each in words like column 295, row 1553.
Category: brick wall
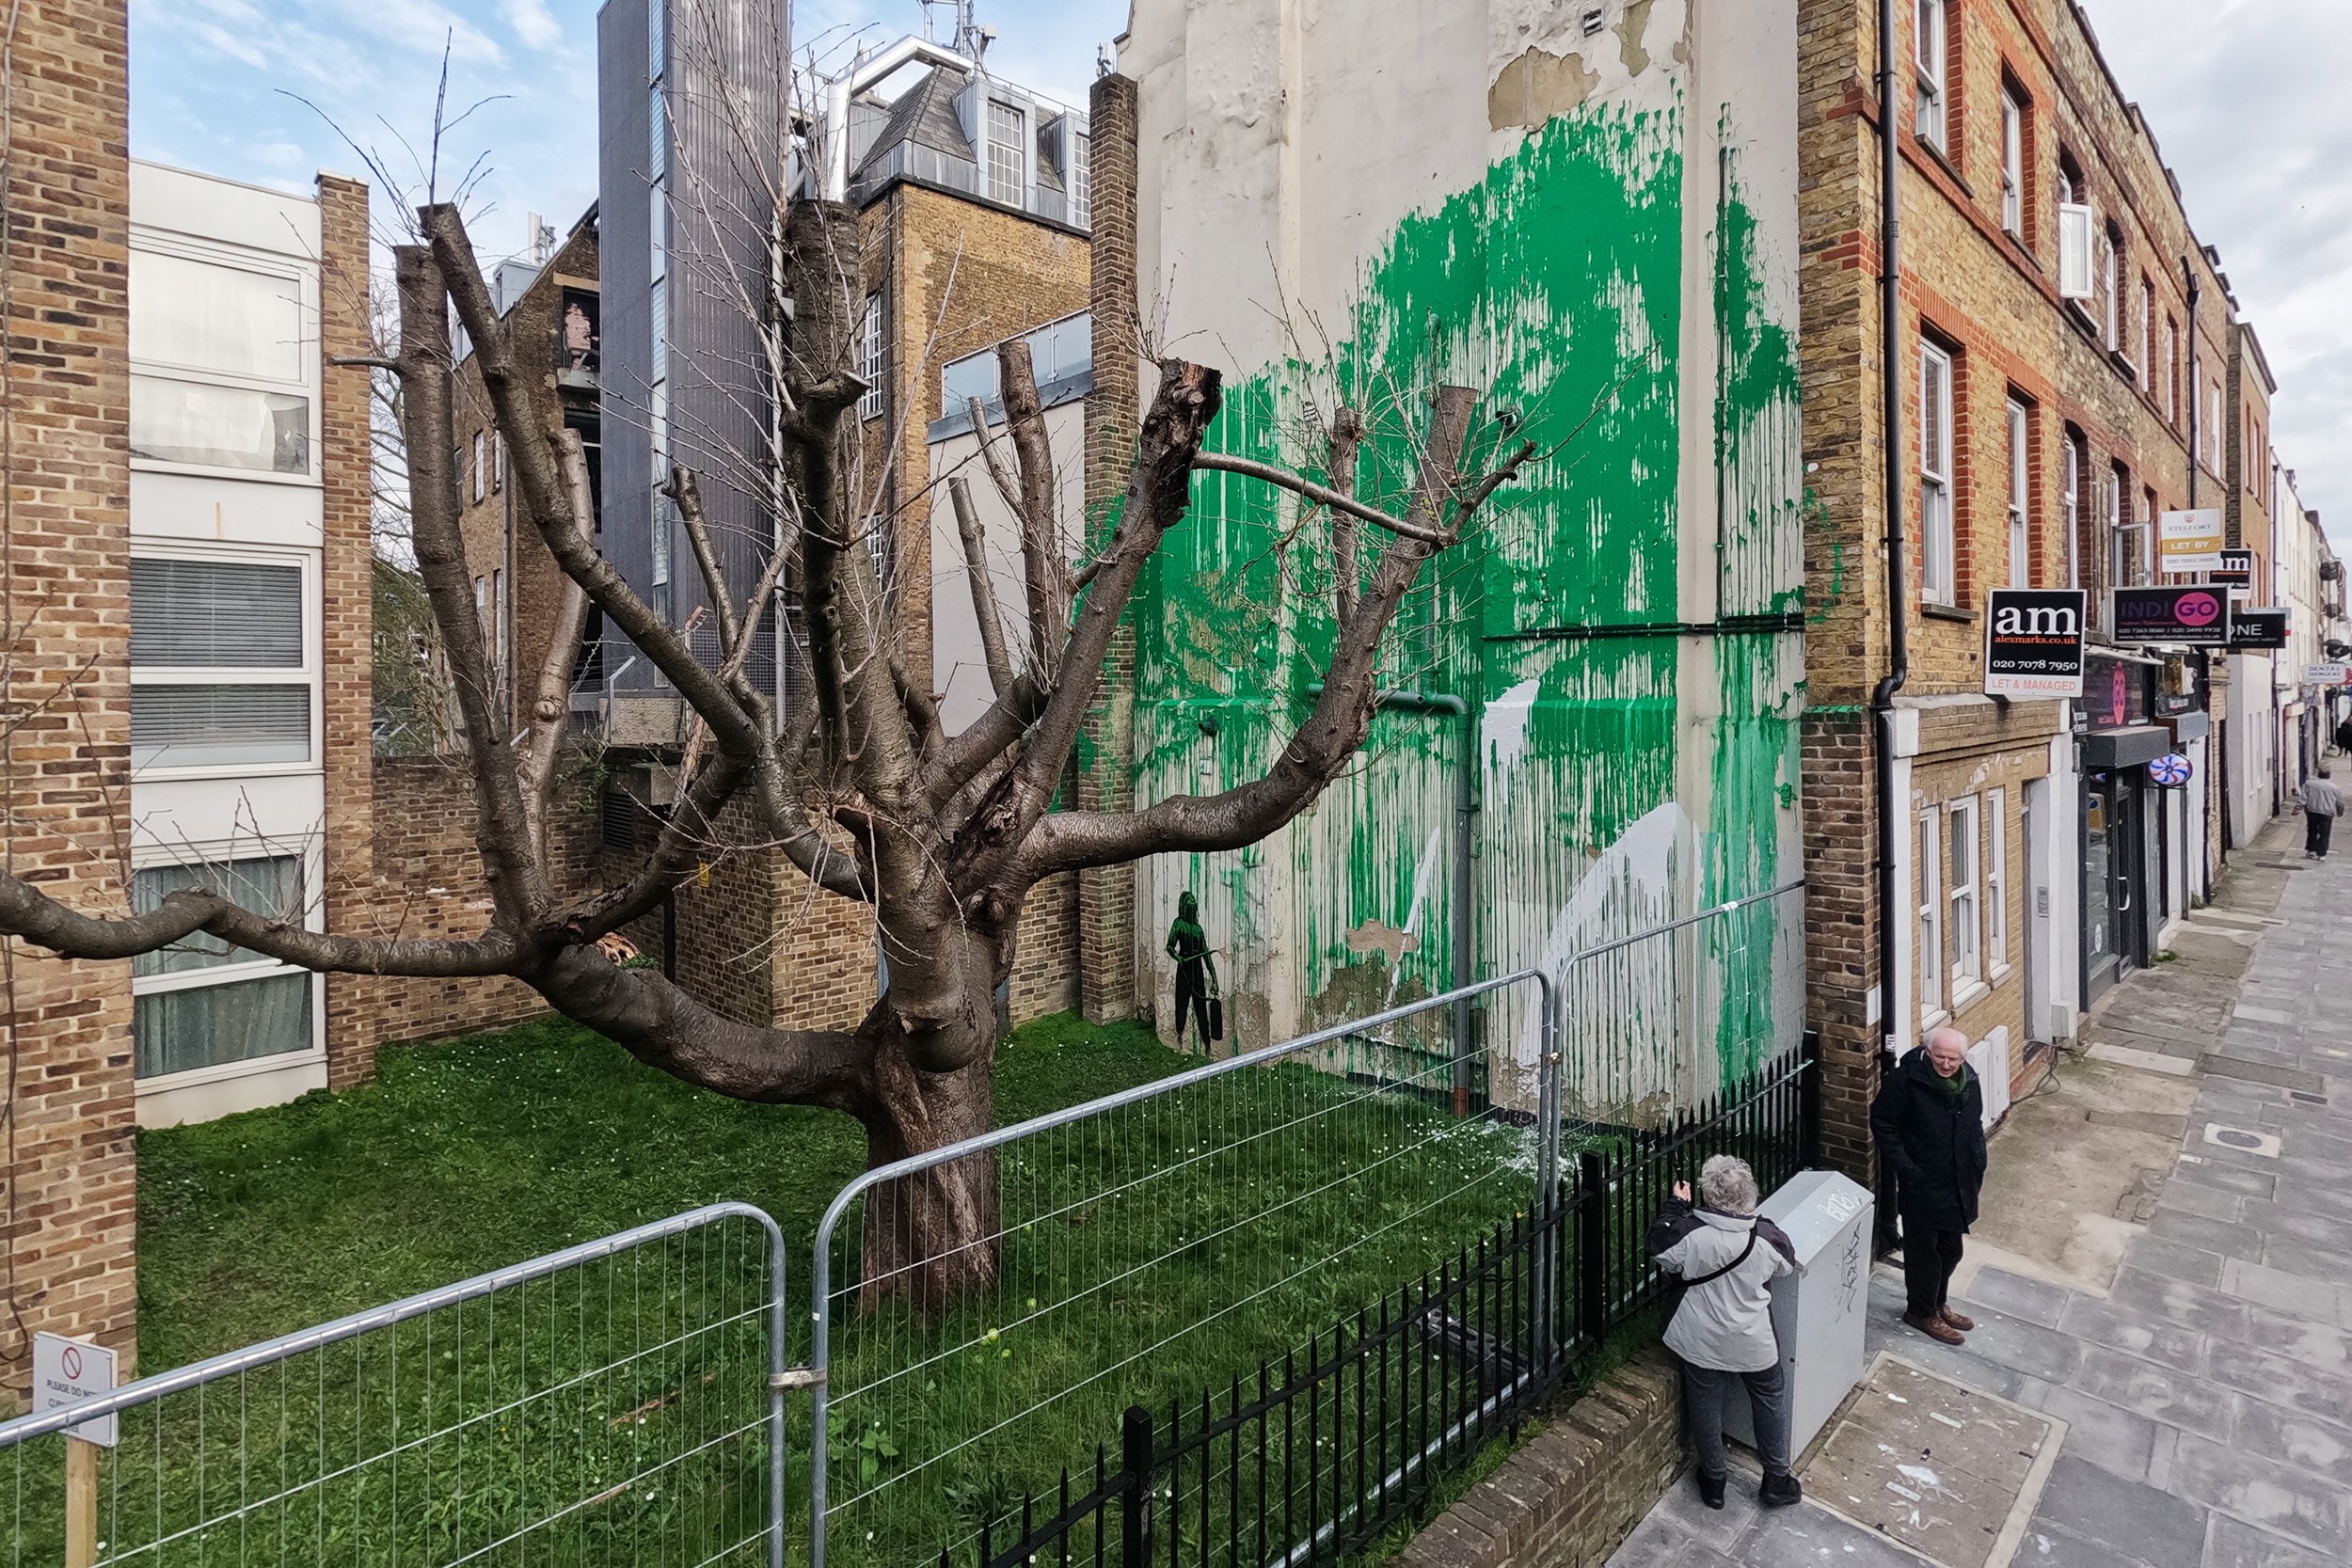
column 354, row 1021
column 1106, row 896
column 1570, row 1496
column 65, row 706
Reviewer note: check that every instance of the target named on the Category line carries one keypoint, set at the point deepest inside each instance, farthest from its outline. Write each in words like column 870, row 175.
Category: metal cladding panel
column 625, row 510
column 1818, row 1311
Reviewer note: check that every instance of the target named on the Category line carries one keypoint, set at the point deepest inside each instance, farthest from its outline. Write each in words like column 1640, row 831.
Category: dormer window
column 1008, row 169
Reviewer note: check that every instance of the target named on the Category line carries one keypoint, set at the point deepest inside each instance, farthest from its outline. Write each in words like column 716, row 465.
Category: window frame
column 1939, row 565
column 310, row 856
column 307, row 674
column 1016, row 146
column 1964, row 832
column 873, row 358
column 1996, row 879
column 1082, row 178
column 1929, row 845
column 2014, row 113
column 478, row 467
column 2072, row 466
column 308, row 386
column 1932, row 72
column 2020, row 423
column 2111, row 287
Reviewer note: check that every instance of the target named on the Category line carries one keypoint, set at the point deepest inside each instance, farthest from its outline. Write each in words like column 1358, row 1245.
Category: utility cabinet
column 1818, row 1311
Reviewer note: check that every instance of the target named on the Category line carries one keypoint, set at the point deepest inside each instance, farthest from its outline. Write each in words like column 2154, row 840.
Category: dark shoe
column 1712, row 1489
column 1935, row 1328
column 1956, row 1320
column 1780, row 1492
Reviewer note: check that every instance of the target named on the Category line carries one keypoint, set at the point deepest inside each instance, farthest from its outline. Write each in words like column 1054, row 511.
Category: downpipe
column 1899, row 627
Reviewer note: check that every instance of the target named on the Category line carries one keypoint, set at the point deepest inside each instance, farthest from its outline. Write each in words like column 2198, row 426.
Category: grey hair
column 1727, row 1185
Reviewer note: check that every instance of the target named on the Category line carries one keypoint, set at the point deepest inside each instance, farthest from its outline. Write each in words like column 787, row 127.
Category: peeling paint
column 1535, row 86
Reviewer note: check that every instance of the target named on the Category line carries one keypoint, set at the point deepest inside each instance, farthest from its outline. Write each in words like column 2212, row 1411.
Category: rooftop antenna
column 971, row 38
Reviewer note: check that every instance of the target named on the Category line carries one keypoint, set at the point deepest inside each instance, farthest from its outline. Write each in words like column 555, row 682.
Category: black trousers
column 1192, row 989
column 2318, row 828
column 1931, row 1253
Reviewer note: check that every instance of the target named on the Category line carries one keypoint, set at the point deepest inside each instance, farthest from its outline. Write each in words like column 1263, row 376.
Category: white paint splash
column 1420, row 901
column 1939, row 1416
column 1503, row 732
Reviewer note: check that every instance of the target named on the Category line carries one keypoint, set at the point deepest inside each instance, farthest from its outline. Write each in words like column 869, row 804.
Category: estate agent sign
column 2191, row 541
column 2033, row 643
column 2190, row 615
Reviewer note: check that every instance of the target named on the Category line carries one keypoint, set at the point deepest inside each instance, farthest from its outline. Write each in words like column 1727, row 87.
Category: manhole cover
column 2243, row 1139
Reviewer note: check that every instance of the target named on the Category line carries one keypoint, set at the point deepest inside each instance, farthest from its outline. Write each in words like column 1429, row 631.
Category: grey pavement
column 2208, row 1394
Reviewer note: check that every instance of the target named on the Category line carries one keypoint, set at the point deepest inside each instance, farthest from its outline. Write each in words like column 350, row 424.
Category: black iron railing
column 1319, row 1453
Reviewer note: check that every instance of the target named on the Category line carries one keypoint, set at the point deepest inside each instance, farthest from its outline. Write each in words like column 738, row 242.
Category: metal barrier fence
column 617, row 1401
column 1148, row 1245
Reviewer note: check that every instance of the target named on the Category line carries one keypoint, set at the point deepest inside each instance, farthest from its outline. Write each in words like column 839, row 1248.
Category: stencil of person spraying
column 1196, row 974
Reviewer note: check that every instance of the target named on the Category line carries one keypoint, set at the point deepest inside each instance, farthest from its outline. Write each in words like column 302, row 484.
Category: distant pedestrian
column 1928, row 1124
column 2323, row 802
column 1722, row 1329
column 2344, row 736
column 1196, row 969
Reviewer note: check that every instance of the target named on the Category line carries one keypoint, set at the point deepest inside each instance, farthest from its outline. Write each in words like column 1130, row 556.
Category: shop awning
column 2126, row 747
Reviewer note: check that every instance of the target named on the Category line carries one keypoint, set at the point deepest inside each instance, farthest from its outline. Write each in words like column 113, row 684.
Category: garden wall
column 1570, row 1496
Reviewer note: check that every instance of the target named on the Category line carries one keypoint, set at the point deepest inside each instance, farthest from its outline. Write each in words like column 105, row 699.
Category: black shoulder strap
column 1709, row 1278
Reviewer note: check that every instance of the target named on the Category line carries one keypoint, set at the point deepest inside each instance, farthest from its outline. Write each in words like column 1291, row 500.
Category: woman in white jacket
column 1722, row 1329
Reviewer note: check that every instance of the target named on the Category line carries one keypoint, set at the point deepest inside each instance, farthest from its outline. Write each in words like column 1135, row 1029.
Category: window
column 1935, row 475
column 2147, row 329
column 1008, row 162
column 2020, row 524
column 200, row 1002
column 1932, row 60
column 498, row 461
column 2213, row 428
column 2111, row 286
column 222, row 362
column 494, row 634
column 1997, row 879
column 657, row 235
column 657, row 537
column 2012, row 161
column 657, row 39
column 2071, row 482
column 873, row 361
column 2170, row 396
column 656, row 138
column 220, row 673
column 1930, row 914
column 2076, row 225
column 480, row 467
column 2119, row 542
column 1082, row 179
column 1967, row 929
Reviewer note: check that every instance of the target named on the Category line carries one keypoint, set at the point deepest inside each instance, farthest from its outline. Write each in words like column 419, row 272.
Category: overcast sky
column 2236, row 91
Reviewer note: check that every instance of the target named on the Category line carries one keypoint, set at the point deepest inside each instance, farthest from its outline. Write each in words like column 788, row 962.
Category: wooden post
column 81, row 1503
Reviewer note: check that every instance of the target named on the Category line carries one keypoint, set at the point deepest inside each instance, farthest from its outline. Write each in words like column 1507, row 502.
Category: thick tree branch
column 516, row 874
column 28, row 912
column 983, row 590
column 1047, row 574
column 550, row 707
column 688, row 497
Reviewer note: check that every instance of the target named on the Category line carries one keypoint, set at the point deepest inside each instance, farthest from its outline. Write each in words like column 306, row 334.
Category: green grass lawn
column 1152, row 1256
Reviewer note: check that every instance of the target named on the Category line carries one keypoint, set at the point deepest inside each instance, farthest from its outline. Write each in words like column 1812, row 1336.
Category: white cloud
column 532, row 24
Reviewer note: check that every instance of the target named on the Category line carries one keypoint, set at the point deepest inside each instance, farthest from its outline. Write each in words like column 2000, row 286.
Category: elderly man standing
column 1721, row 1328
column 1929, row 1123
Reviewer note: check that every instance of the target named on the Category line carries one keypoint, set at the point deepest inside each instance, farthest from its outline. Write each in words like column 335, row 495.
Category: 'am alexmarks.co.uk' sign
column 2033, row 643
column 2197, row 616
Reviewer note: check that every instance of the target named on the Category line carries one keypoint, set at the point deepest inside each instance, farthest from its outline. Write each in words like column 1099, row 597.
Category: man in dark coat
column 1929, row 1123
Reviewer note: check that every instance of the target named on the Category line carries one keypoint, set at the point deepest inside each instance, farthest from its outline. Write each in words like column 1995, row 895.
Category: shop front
column 2128, row 821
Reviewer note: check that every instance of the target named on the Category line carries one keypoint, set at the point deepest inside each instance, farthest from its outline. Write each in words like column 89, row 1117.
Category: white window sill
column 1971, row 992
column 1934, row 1018
column 196, row 1077
column 2001, row 972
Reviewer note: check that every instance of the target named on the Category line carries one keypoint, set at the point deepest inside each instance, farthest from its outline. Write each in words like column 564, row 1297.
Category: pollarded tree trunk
column 933, row 1236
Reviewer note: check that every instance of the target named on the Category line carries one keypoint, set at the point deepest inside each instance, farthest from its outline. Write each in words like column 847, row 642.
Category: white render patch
column 2150, row 1061
column 2243, row 1139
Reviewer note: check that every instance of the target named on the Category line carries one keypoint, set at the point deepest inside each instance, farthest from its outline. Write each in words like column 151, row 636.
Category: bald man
column 1929, row 1123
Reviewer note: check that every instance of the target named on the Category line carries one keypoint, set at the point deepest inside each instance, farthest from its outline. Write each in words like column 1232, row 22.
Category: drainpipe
column 1465, row 821
column 2195, row 397
column 1898, row 626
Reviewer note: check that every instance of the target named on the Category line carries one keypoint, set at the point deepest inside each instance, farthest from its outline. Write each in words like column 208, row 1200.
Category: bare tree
column 942, row 837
